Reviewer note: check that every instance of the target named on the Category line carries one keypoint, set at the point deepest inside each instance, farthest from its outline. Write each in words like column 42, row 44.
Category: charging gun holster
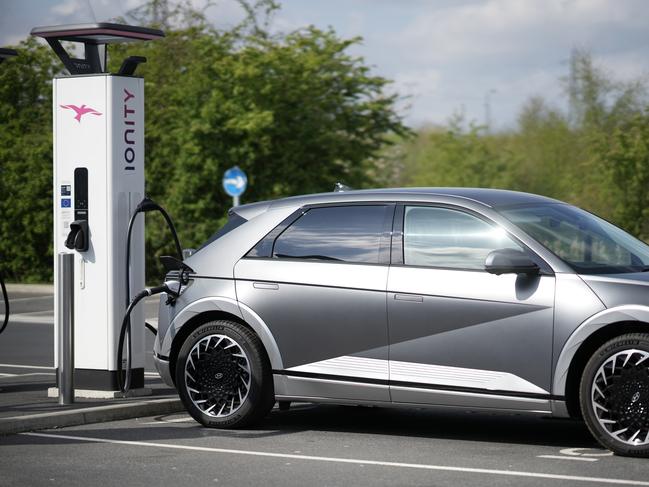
column 78, row 237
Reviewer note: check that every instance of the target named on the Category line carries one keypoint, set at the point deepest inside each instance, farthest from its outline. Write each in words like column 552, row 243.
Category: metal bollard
column 65, row 328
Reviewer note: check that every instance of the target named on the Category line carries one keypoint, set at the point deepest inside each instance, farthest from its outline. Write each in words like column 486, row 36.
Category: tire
column 614, row 395
column 223, row 376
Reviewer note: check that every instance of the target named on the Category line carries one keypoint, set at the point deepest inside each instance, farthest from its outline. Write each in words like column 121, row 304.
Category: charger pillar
column 98, row 182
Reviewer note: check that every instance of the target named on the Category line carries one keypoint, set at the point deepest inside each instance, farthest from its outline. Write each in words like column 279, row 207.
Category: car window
column 442, row 237
column 234, row 221
column 341, row 233
column 587, row 243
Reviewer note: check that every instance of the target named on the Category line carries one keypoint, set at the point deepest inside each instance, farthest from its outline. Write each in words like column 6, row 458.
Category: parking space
column 323, row 445
column 29, row 337
column 306, row 445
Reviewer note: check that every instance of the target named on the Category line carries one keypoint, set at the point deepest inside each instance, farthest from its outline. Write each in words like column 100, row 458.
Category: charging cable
column 144, row 206
column 5, row 298
column 125, row 385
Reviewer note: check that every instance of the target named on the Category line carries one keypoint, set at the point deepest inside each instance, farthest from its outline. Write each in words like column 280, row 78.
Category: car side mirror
column 510, row 261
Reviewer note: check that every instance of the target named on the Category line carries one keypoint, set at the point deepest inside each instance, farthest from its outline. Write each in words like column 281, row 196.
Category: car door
column 319, row 283
column 459, row 335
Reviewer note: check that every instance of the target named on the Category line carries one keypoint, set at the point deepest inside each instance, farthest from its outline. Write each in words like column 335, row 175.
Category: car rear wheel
column 223, row 375
column 614, row 395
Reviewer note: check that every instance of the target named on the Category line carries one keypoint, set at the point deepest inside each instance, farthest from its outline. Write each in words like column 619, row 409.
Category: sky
column 483, row 58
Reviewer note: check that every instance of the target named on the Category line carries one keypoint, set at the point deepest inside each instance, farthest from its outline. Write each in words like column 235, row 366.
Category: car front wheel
column 223, row 376
column 614, row 395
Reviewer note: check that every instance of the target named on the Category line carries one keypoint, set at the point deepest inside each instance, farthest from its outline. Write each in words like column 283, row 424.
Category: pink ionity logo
column 81, row 111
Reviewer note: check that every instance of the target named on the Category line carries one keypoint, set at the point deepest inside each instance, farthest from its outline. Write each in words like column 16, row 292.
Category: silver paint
column 313, row 312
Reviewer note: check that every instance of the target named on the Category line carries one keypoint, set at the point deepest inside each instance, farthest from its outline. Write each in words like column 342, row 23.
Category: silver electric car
column 466, row 298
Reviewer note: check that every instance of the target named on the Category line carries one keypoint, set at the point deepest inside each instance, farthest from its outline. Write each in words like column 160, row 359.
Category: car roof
column 486, row 196
column 493, row 198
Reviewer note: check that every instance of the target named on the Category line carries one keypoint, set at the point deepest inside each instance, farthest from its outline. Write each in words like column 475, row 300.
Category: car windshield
column 587, row 243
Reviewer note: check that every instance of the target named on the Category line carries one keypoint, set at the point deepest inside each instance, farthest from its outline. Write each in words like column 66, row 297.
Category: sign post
column 235, row 183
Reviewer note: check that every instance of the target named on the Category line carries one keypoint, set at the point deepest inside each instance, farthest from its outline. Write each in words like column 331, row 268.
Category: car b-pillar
column 98, row 120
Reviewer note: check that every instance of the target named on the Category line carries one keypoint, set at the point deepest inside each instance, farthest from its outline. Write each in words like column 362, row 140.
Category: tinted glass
column 439, row 237
column 233, row 222
column 342, row 233
column 587, row 243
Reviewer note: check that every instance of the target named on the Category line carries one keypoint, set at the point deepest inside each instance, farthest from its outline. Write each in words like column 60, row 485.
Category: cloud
column 514, row 28
column 416, row 83
column 68, row 7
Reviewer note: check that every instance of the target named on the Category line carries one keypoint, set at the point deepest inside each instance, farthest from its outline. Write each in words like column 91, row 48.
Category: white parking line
column 31, row 298
column 30, row 318
column 27, row 375
column 560, row 457
column 511, row 473
column 175, row 420
column 586, row 452
column 18, row 366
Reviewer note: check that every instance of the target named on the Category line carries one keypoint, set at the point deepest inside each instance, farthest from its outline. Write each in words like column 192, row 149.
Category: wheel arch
column 585, row 340
column 218, row 308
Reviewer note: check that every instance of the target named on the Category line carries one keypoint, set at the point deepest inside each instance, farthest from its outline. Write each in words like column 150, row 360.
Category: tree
column 593, row 155
column 625, row 154
column 26, row 163
column 295, row 110
column 455, row 155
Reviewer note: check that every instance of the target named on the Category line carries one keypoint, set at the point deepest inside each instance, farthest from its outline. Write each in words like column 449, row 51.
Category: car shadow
column 419, row 423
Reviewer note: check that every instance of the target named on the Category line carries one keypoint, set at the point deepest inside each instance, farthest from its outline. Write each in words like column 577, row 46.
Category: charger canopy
column 7, row 53
column 94, row 38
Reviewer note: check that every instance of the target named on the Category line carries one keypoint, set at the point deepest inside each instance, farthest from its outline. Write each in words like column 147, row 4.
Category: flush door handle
column 266, row 285
column 414, row 298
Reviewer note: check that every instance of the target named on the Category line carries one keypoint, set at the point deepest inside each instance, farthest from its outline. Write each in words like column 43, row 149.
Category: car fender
column 231, row 306
column 587, row 328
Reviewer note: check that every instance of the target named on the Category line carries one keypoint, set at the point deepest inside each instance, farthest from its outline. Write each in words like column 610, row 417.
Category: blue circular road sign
column 235, row 181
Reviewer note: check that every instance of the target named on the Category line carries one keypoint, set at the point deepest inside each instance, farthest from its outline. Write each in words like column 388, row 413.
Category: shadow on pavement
column 420, row 423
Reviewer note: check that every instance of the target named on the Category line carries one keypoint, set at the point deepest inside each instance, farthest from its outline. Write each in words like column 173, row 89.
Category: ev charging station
column 98, row 120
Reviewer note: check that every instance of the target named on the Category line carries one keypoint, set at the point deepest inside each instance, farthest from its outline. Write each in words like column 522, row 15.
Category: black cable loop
column 144, row 206
column 5, row 298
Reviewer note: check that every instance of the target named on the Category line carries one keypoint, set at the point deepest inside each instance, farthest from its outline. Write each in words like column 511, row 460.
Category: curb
column 96, row 414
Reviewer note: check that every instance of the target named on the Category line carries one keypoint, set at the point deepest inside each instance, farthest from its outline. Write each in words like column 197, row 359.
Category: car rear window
column 234, row 221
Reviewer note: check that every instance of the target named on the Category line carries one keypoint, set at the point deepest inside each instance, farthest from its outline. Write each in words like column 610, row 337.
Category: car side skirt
column 322, row 388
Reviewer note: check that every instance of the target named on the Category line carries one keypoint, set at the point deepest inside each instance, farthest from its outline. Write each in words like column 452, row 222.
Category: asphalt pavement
column 27, row 372
column 29, row 337
column 321, row 445
column 306, row 445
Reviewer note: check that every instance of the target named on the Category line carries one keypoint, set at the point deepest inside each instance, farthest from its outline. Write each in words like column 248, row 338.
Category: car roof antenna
column 340, row 187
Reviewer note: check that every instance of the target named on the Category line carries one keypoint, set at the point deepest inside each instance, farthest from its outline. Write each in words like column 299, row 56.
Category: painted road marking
column 578, row 452
column 30, row 319
column 35, row 367
column 32, row 298
column 510, row 473
column 561, row 457
column 176, row 420
column 27, row 375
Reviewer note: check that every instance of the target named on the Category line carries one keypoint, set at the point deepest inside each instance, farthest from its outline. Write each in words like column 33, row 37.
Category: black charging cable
column 125, row 330
column 5, row 298
column 144, row 206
